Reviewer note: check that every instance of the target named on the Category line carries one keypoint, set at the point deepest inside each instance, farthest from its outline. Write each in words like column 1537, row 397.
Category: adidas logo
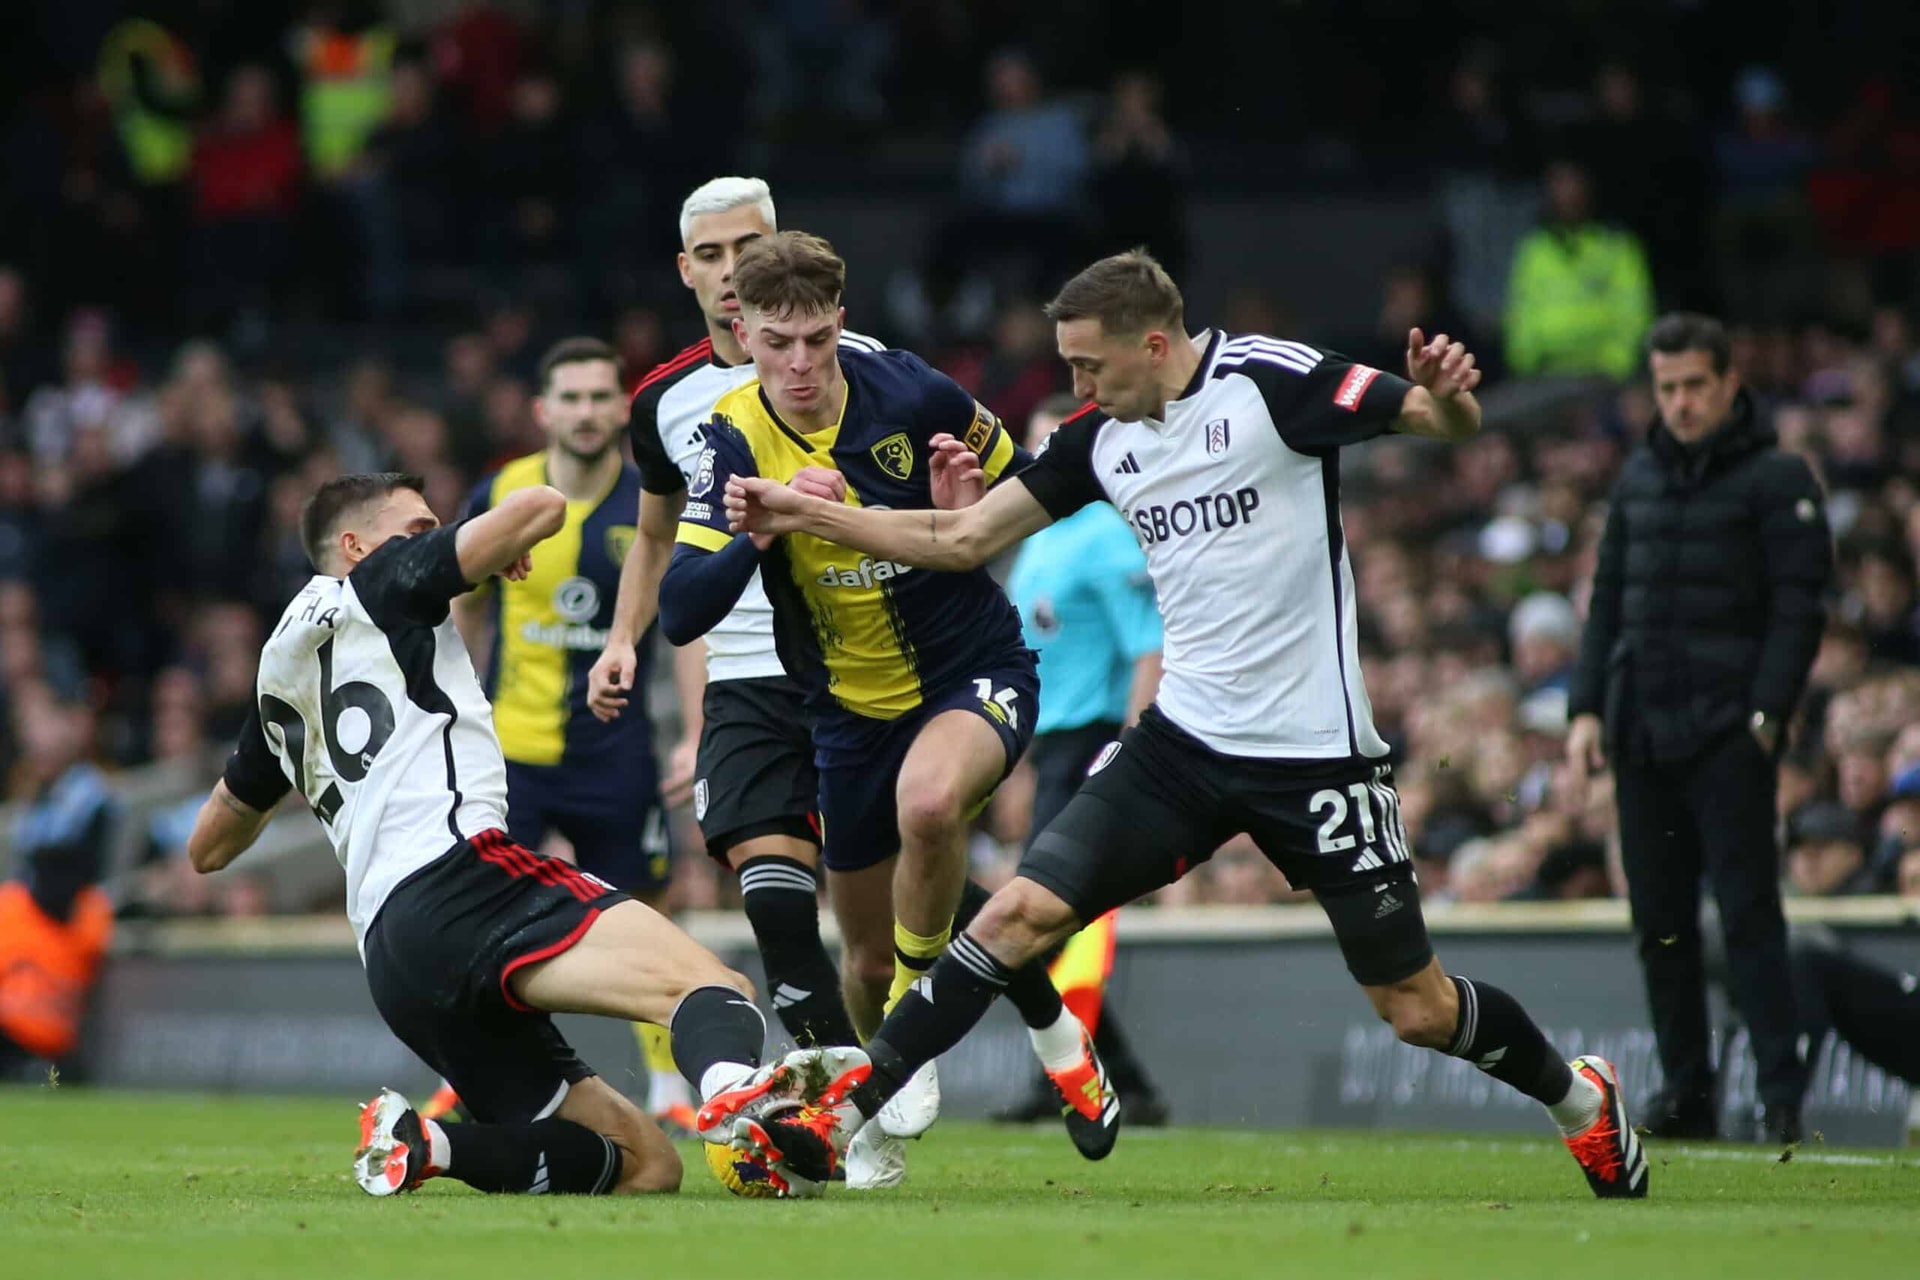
column 1368, row 860
column 785, row 996
column 540, row 1180
column 923, row 987
column 1388, row 904
column 1127, row 467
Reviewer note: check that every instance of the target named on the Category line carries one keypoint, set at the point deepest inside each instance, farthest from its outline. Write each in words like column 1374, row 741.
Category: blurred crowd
column 432, row 192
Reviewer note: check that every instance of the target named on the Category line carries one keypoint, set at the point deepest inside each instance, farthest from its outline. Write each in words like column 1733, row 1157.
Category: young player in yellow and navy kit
column 593, row 781
column 922, row 689
column 879, row 648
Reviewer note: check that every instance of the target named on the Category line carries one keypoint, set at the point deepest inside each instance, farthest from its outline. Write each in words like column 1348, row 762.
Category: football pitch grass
column 104, row 1184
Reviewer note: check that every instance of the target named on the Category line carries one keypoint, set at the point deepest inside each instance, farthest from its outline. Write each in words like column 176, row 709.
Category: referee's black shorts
column 1161, row 802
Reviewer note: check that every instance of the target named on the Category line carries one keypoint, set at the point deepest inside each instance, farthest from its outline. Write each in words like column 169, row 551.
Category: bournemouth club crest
column 619, row 542
column 895, row 455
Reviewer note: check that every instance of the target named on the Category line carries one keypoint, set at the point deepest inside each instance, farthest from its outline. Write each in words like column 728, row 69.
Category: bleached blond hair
column 717, row 195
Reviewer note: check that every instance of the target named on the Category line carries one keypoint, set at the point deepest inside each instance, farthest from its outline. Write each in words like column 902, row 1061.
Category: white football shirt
column 368, row 706
column 670, row 407
column 1235, row 498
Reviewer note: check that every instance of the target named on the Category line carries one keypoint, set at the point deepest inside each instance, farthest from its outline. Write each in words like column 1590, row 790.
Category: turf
column 95, row 1184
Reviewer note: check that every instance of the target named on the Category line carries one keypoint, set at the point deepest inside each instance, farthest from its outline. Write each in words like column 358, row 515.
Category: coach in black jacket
column 1707, row 608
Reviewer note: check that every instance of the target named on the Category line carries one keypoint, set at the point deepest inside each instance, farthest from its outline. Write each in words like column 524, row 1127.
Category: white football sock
column 1059, row 1046
column 1576, row 1112
column 717, row 1078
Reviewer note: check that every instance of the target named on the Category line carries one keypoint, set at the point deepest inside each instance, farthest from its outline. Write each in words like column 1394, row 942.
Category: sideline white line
column 1411, row 1142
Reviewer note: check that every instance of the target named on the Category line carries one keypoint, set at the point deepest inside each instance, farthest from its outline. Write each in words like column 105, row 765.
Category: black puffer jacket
column 1708, row 600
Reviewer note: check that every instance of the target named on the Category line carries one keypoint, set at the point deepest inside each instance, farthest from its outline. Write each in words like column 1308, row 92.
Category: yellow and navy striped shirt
column 549, row 629
column 863, row 636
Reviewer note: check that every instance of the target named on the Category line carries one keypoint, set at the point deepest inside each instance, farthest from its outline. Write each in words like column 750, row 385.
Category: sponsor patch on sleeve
column 1354, row 386
column 980, row 433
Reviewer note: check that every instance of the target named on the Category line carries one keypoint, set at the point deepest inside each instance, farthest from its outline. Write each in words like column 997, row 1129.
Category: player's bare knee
column 869, row 966
column 931, row 811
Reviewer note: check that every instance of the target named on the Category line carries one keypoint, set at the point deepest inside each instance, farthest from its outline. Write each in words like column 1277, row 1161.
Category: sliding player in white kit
column 369, row 706
column 1222, row 452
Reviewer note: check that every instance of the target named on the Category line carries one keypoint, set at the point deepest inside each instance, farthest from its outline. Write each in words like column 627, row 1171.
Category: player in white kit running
column 1222, row 452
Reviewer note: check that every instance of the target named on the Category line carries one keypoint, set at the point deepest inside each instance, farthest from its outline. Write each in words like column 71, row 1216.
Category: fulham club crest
column 1217, row 436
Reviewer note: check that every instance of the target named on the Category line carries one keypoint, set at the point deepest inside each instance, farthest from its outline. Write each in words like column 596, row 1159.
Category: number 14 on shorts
column 1386, row 841
column 999, row 703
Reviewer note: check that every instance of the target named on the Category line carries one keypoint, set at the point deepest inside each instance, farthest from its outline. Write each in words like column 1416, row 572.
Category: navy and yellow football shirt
column 862, row 635
column 549, row 629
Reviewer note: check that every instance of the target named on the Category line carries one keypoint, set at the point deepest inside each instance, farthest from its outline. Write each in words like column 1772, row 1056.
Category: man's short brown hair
column 1127, row 293
column 333, row 502
column 791, row 273
column 576, row 351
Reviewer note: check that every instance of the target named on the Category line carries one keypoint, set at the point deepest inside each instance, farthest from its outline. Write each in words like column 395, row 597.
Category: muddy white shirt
column 368, row 706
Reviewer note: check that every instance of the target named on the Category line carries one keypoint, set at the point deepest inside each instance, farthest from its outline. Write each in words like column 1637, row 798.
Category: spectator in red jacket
column 245, row 178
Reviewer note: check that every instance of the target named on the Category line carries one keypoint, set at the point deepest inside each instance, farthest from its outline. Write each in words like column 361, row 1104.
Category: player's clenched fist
column 764, row 508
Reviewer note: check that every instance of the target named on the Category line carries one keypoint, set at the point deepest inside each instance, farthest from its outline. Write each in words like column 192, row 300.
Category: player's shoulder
column 668, row 374
column 851, row 341
column 901, row 384
column 739, row 419
column 1078, row 430
column 1260, row 352
column 325, row 601
column 688, row 361
column 885, row 364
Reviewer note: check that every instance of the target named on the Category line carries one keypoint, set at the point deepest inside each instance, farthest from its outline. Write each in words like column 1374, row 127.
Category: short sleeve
column 1126, row 593
column 253, row 772
column 658, row 474
column 1061, row 477
column 703, row 521
column 1318, row 399
column 411, row 580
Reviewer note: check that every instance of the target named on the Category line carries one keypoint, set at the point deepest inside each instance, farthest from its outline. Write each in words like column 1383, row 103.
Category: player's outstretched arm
column 946, row 540
column 1440, row 405
column 610, row 680
column 495, row 541
column 226, row 827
